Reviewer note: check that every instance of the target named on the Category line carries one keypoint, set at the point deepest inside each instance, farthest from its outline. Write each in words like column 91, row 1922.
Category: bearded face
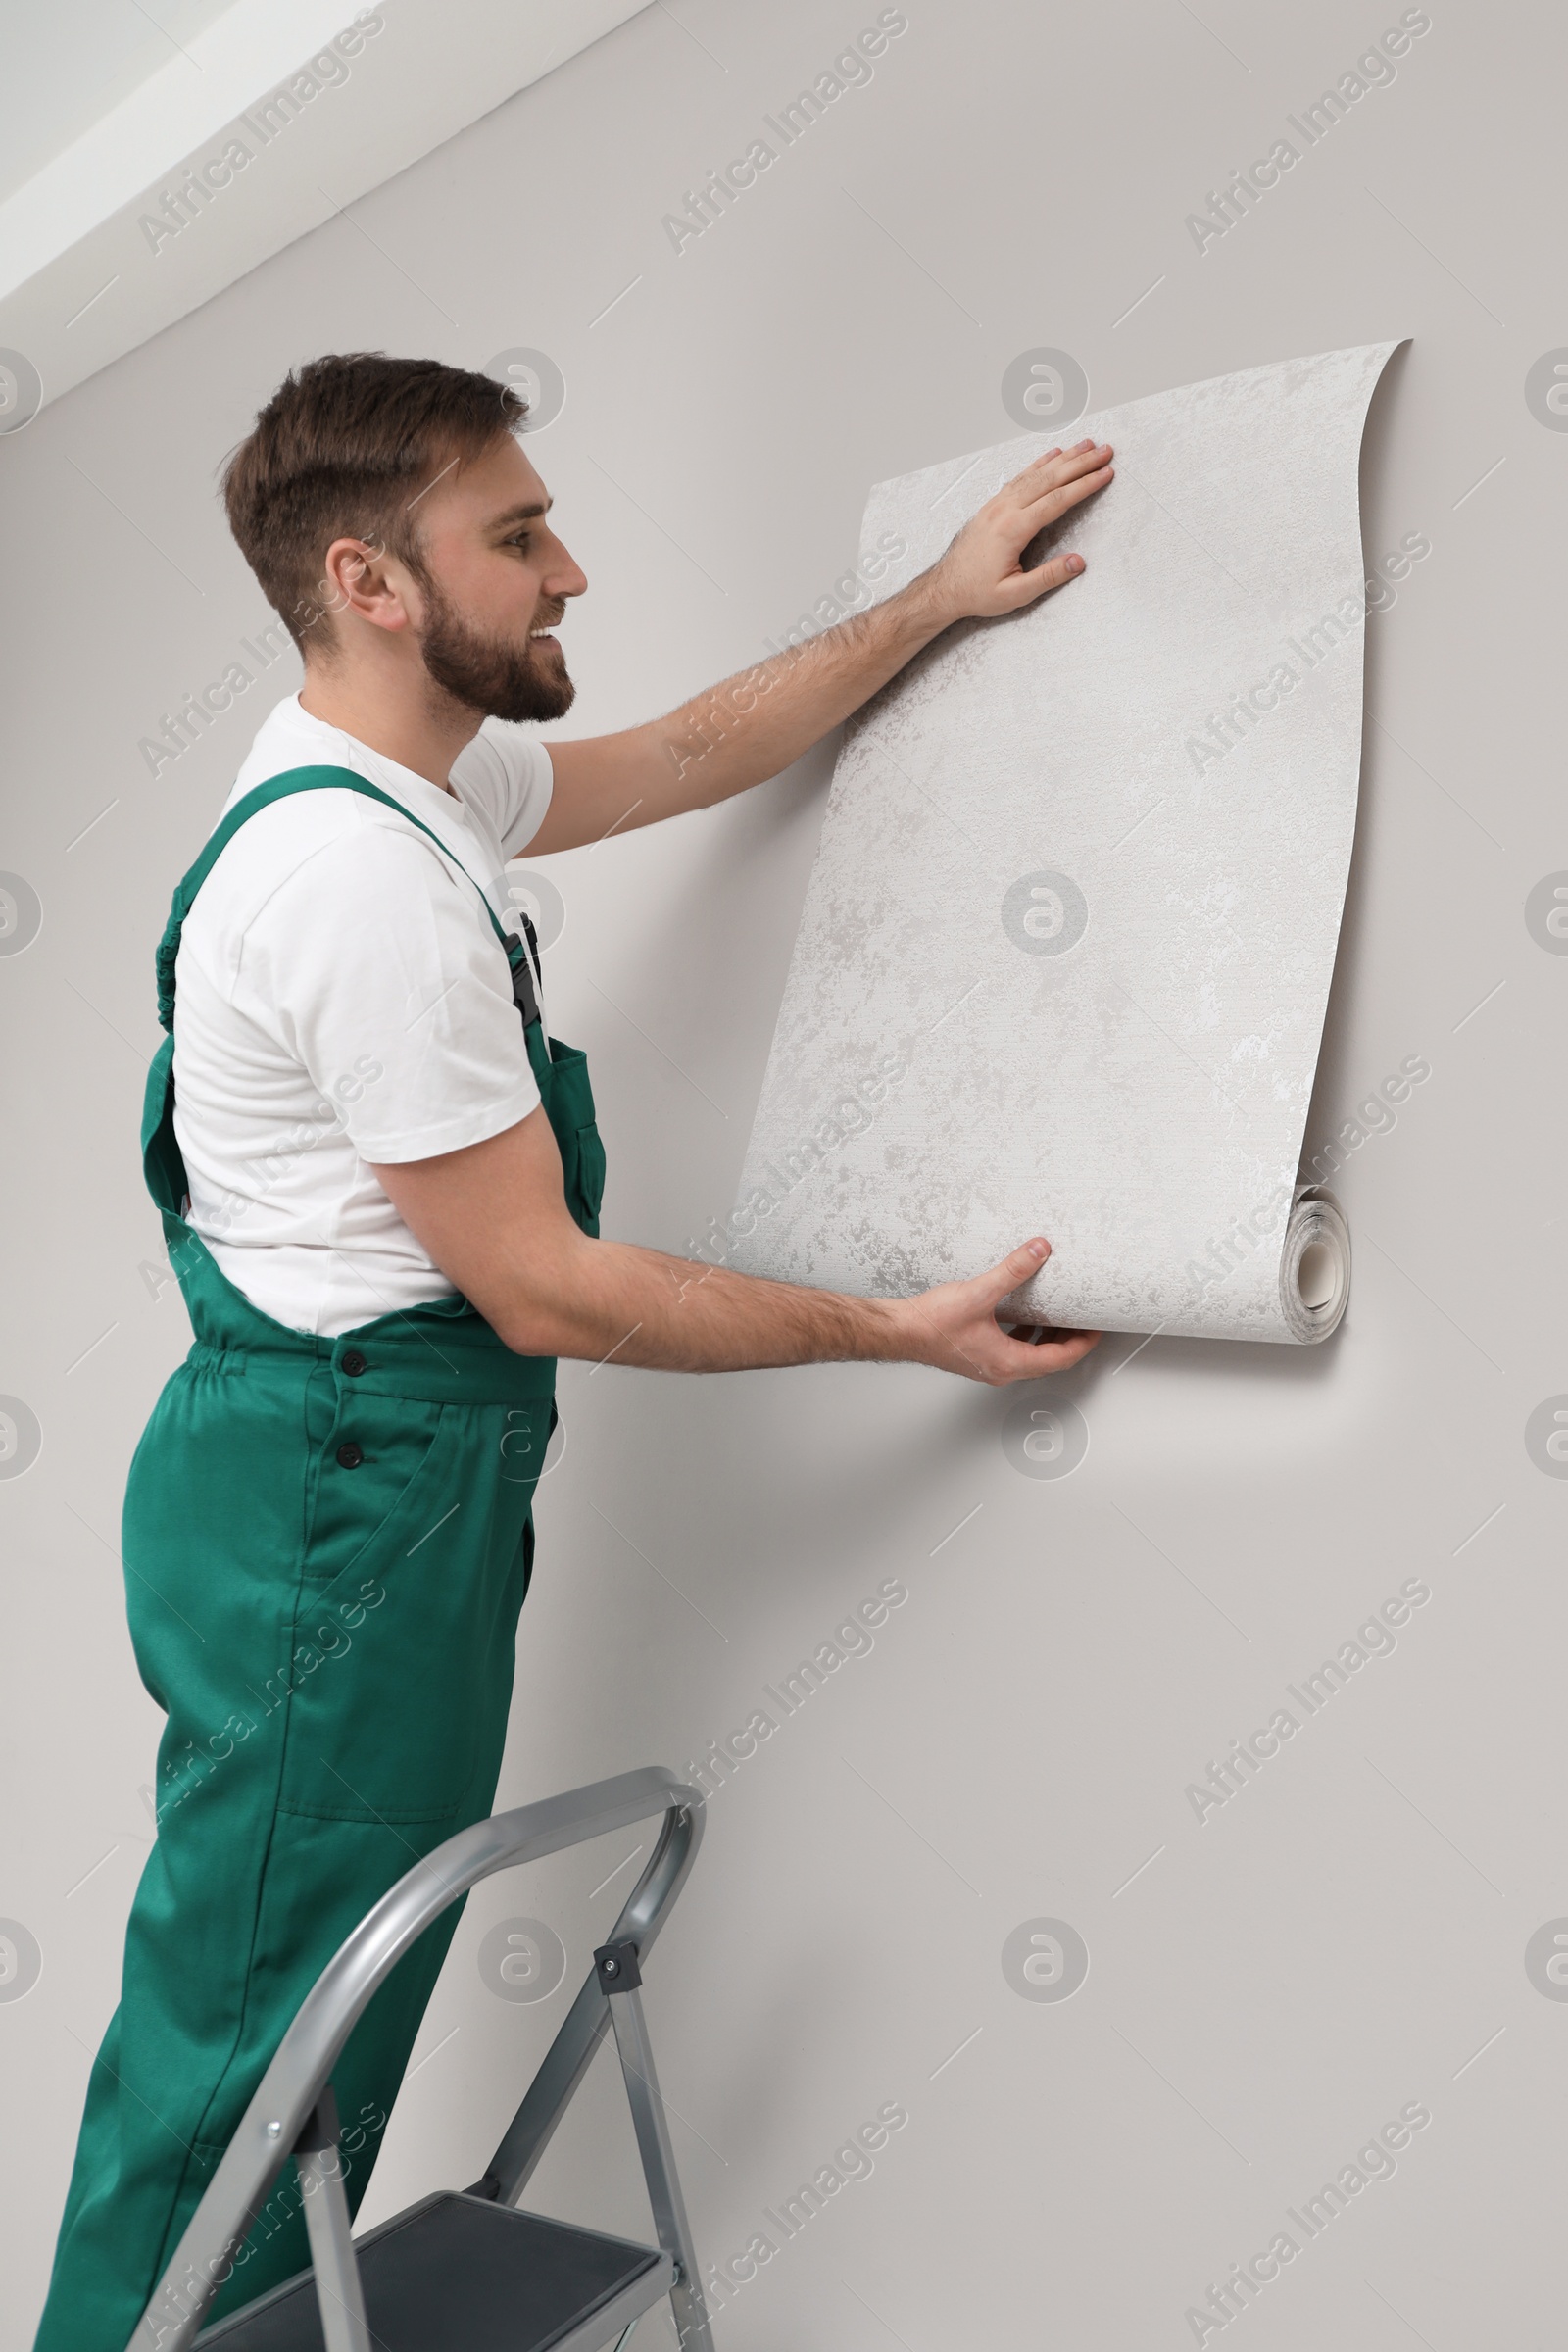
column 489, row 675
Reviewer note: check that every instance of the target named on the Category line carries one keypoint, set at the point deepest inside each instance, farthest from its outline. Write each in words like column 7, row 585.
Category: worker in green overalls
column 380, row 1178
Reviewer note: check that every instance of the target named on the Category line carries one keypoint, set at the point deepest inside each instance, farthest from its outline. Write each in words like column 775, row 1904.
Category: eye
column 521, row 538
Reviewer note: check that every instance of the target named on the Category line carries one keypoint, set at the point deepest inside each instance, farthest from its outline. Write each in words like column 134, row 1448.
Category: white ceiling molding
column 267, row 121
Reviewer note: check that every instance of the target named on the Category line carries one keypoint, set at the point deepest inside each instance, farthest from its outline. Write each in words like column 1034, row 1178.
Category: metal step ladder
column 462, row 2271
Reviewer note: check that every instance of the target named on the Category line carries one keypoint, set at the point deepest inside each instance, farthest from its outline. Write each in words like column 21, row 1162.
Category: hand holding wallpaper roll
column 1066, row 948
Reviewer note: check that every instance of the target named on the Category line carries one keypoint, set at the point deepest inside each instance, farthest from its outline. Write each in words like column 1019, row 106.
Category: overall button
column 353, row 1363
column 351, row 1455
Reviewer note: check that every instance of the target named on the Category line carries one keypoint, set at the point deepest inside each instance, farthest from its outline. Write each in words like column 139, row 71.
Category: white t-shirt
column 341, row 998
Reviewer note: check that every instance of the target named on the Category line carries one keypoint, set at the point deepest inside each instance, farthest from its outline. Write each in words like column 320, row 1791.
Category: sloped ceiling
column 157, row 154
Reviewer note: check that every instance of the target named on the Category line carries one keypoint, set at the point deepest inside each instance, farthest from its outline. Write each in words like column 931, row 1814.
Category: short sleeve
column 375, row 967
column 510, row 775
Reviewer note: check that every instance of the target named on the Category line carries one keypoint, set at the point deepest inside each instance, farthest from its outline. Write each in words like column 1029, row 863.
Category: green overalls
column 327, row 1542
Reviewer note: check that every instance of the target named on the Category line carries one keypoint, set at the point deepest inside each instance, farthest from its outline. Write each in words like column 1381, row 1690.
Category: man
column 380, row 1191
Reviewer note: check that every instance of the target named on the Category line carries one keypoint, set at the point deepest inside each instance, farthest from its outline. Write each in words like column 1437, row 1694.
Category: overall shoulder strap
column 277, row 788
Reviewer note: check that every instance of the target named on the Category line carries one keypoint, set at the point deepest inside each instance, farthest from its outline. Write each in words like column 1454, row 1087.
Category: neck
column 404, row 717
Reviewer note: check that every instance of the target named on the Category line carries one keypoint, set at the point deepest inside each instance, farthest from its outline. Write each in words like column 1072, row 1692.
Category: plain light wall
column 1270, row 1985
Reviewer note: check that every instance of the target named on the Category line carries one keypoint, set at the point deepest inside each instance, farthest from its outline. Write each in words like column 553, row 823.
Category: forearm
column 602, row 1300
column 493, row 1217
column 738, row 733
column 753, row 725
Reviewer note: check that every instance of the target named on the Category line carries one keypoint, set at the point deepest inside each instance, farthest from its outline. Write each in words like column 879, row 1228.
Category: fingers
column 1031, row 1350
column 1025, row 1360
column 1013, row 1270
column 1057, row 483
column 1053, row 575
column 1056, row 469
column 1039, row 496
column 1059, row 498
column 958, row 1331
column 1056, row 1350
column 1063, row 464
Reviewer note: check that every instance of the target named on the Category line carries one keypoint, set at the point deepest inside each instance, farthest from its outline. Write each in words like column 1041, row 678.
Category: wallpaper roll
column 1067, row 944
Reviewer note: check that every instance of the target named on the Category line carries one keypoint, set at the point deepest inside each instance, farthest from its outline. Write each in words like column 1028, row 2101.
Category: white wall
column 1347, row 1933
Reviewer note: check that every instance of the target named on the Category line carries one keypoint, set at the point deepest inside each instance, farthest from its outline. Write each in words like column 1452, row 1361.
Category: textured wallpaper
column 1068, row 945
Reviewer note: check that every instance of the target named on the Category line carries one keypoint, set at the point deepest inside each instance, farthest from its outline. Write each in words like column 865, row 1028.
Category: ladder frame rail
column 587, row 2022
column 300, row 2069
column 659, row 2167
column 339, row 2291
column 329, row 2227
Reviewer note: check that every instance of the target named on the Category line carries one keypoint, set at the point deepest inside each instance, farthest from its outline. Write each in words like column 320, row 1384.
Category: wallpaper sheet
column 1067, row 944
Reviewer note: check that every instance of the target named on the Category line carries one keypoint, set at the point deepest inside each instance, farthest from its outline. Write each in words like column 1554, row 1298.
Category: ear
column 360, row 577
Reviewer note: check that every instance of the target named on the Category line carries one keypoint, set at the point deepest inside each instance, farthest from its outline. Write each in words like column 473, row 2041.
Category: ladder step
column 457, row 2274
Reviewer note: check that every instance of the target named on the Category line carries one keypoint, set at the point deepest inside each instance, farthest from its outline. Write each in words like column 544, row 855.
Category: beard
column 485, row 673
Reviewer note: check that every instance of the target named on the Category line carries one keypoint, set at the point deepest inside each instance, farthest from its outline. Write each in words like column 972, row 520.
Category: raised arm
column 494, row 1218
column 754, row 724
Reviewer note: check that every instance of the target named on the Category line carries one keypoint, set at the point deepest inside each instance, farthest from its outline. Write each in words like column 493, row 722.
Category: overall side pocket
column 380, row 1723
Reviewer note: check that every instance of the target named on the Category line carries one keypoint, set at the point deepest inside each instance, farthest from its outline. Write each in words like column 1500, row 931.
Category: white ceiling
column 105, row 103
column 66, row 66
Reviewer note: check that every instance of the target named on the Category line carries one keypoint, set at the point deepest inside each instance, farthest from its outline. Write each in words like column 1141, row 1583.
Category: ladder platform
column 457, row 2274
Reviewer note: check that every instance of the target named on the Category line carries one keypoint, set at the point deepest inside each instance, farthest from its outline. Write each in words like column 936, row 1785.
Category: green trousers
column 327, row 1543
column 334, row 1647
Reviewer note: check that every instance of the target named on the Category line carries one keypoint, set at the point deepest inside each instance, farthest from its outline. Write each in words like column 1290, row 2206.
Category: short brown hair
column 342, row 450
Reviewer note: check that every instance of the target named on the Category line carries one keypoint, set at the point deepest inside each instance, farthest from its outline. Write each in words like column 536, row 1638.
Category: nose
column 570, row 579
